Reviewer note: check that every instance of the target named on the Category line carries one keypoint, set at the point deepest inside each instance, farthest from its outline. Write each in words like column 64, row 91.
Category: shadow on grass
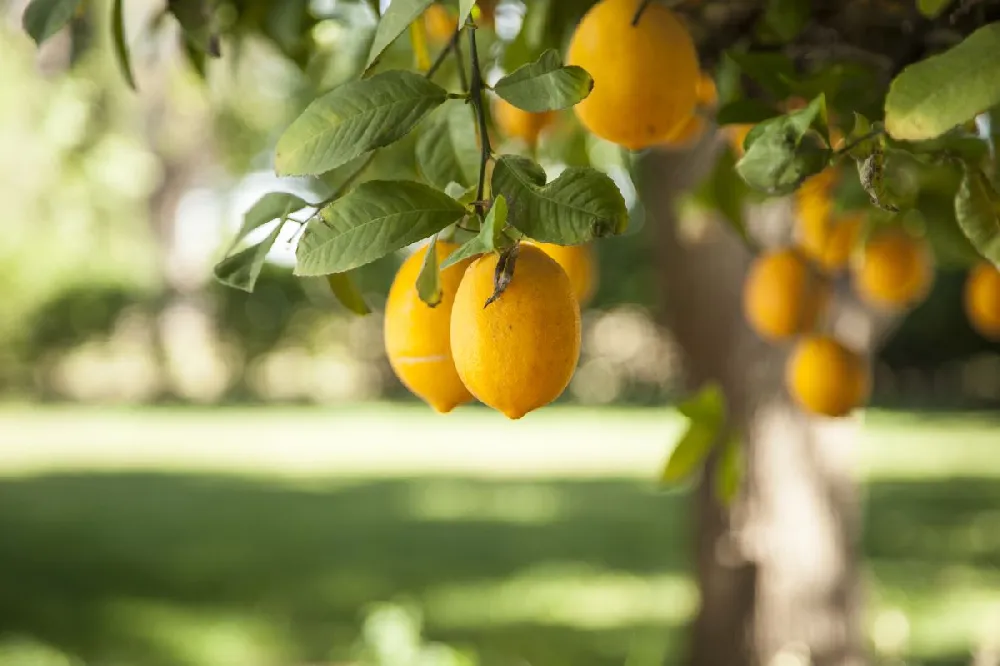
column 80, row 553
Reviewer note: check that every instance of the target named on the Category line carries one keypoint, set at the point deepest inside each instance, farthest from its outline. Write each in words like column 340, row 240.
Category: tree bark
column 778, row 570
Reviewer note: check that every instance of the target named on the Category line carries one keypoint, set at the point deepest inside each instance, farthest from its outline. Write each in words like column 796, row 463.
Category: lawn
column 260, row 537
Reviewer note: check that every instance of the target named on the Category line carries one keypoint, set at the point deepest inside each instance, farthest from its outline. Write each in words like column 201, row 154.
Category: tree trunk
column 778, row 571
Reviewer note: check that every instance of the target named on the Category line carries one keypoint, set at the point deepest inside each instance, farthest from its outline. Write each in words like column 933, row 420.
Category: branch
column 439, row 60
column 476, row 98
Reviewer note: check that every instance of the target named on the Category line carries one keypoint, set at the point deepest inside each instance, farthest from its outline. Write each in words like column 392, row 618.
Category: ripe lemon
column 982, row 300
column 782, row 296
column 645, row 76
column 827, row 240
column 519, row 352
column 440, row 23
column 824, row 377
column 417, row 335
column 895, row 270
column 579, row 264
column 517, row 123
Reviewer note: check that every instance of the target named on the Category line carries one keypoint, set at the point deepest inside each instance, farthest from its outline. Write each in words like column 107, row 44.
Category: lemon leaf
column 729, row 469
column 932, row 8
column 705, row 412
column 375, row 218
column 120, row 45
column 346, row 291
column 353, row 119
column 783, row 20
column 269, row 207
column 464, row 9
column 489, row 238
column 44, row 18
column 429, row 280
column 932, row 96
column 398, row 16
column 241, row 270
column 447, row 150
column 977, row 207
column 578, row 206
column 545, row 84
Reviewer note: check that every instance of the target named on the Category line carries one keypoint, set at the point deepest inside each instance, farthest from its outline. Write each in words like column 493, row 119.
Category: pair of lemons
column 515, row 354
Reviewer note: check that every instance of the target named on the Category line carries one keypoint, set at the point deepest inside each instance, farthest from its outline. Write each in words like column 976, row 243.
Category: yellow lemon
column 982, row 300
column 782, row 297
column 580, row 266
column 895, row 270
column 825, row 377
column 632, row 103
column 440, row 23
column 417, row 336
column 524, row 125
column 519, row 352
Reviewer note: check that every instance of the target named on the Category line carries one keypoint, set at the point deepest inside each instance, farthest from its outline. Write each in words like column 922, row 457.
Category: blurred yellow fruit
column 982, row 300
column 705, row 92
column 579, row 264
column 441, row 23
column 645, row 76
column 826, row 378
column 825, row 239
column 735, row 135
column 782, row 296
column 517, row 123
column 417, row 336
column 895, row 270
column 519, row 352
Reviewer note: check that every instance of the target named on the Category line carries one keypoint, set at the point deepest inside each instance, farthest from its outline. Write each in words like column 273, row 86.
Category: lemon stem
column 476, row 98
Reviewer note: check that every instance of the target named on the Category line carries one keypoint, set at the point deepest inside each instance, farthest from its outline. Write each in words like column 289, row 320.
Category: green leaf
column 242, row 269
column 374, row 219
column 729, row 469
column 779, row 152
column 932, row 96
column 783, row 20
column 871, row 172
column 464, row 9
column 932, row 8
column 977, row 207
column 429, row 280
column 773, row 71
column 578, row 206
column 44, row 18
column 195, row 17
column 862, row 147
column 397, row 18
column 447, row 150
column 346, row 291
column 705, row 412
column 490, row 236
column 269, row 207
column 545, row 85
column 743, row 111
column 121, row 46
column 353, row 119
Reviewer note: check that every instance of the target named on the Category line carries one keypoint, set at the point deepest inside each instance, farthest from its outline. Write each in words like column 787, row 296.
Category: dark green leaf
column 932, row 8
column 578, row 206
column 744, row 111
column 705, row 412
column 195, row 17
column 429, row 280
column 374, row 219
column 780, row 153
column 447, row 150
column 242, row 269
column 977, row 207
column 729, row 469
column 397, row 18
column 773, row 71
column 346, row 290
column 490, row 237
column 44, row 18
column 932, row 96
column 783, row 20
column 545, row 85
column 121, row 46
column 952, row 249
column 269, row 207
column 353, row 119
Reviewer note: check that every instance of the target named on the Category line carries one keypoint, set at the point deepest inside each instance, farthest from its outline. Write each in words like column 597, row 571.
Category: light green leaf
column 464, row 9
column 490, row 236
column 930, row 97
column 353, row 119
column 429, row 280
column 729, row 469
column 269, row 207
column 977, row 207
column 44, row 18
column 705, row 412
column 447, row 150
column 374, row 219
column 932, row 8
column 121, row 46
column 578, row 206
column 397, row 18
column 242, row 269
column 346, row 291
column 545, row 85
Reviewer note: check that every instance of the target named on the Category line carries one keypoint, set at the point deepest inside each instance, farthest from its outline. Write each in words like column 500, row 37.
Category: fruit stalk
column 476, row 98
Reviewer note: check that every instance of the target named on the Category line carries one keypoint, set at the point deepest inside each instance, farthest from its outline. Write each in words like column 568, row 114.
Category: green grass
column 245, row 537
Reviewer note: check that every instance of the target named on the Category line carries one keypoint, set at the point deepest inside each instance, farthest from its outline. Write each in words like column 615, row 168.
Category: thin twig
column 344, row 185
column 476, row 97
column 456, row 46
column 639, row 11
column 439, row 60
column 861, row 139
